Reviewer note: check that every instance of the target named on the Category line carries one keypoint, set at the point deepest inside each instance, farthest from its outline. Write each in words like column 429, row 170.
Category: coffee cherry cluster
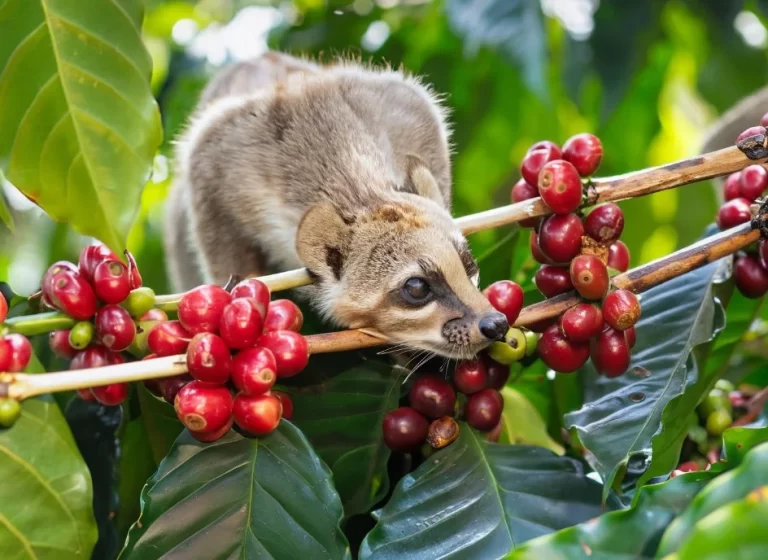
column 575, row 254
column 237, row 345
column 106, row 298
column 15, row 354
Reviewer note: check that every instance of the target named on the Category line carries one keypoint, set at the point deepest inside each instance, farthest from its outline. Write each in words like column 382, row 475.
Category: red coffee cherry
column 631, row 335
column 200, row 309
column 536, row 251
column 753, row 181
column 3, row 308
column 115, row 328
column 18, row 352
column 506, row 297
column 47, row 286
column 471, row 376
column 750, row 277
column 559, row 353
column 111, row 282
column 92, row 256
column 585, row 152
column 86, row 395
column 72, row 294
column 497, row 373
column 618, row 256
column 168, row 339
column 202, row 407
column 59, row 343
column 133, row 272
column 283, row 315
column 524, row 191
column 483, row 409
column 537, row 157
column 91, row 357
column 255, row 289
column 170, row 386
column 553, row 280
column 589, row 277
column 404, row 429
column 154, row 315
column 208, row 359
column 610, row 353
column 560, row 187
column 621, row 309
column 605, row 223
column 258, row 415
column 582, row 322
column 432, row 396
column 751, row 131
column 254, row 371
column 560, row 237
column 205, row 437
column 111, row 395
column 241, row 323
column 732, row 188
column 733, row 213
column 290, row 350
column 5, row 355
column 114, row 358
column 287, row 403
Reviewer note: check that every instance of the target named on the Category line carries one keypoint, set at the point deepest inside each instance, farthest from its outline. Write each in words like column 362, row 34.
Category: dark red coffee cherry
column 618, row 256
column 3, row 308
column 47, row 285
column 133, row 272
column 206, row 437
column 732, row 188
column 733, row 213
column 585, row 152
column 621, row 309
column 86, row 395
column 59, row 343
column 200, row 309
column 290, row 350
column 506, row 297
column 283, row 315
column 610, row 353
column 631, row 335
column 111, row 282
column 72, row 294
column 560, row 237
column 559, row 353
column 553, row 280
column 432, row 396
column 497, row 373
column 92, row 256
column 589, row 277
column 404, row 429
column 168, row 339
column 154, row 315
column 605, row 223
column 751, row 131
column 18, row 353
column 524, row 191
column 202, row 407
column 582, row 322
column 560, row 187
column 111, row 395
column 241, row 323
column 256, row 289
column 483, row 409
column 537, row 157
column 254, row 371
column 471, row 376
column 258, row 415
column 753, row 181
column 170, row 386
column 536, row 251
column 5, row 355
column 114, row 358
column 91, row 357
column 287, row 403
column 208, row 359
column 750, row 276
column 115, row 328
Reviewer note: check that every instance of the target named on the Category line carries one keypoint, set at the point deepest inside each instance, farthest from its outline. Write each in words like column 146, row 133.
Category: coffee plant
column 622, row 414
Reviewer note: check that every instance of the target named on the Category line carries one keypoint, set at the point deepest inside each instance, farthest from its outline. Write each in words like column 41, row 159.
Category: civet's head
column 403, row 268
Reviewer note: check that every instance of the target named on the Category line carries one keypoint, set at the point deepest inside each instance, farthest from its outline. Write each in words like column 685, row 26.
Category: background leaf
column 45, row 497
column 240, row 497
column 476, row 499
column 79, row 126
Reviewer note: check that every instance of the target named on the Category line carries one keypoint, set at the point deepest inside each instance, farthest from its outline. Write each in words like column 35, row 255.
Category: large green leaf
column 729, row 487
column 342, row 419
column 79, row 126
column 136, row 466
column 476, row 499
column 246, row 498
column 5, row 213
column 621, row 419
column 45, row 493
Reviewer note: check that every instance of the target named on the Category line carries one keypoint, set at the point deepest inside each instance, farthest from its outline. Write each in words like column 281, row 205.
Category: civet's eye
column 416, row 290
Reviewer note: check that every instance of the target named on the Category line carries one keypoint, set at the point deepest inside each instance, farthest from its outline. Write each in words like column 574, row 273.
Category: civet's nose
column 494, row 326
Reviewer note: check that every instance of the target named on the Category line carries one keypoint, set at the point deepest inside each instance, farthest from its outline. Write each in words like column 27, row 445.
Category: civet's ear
column 321, row 241
column 420, row 181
